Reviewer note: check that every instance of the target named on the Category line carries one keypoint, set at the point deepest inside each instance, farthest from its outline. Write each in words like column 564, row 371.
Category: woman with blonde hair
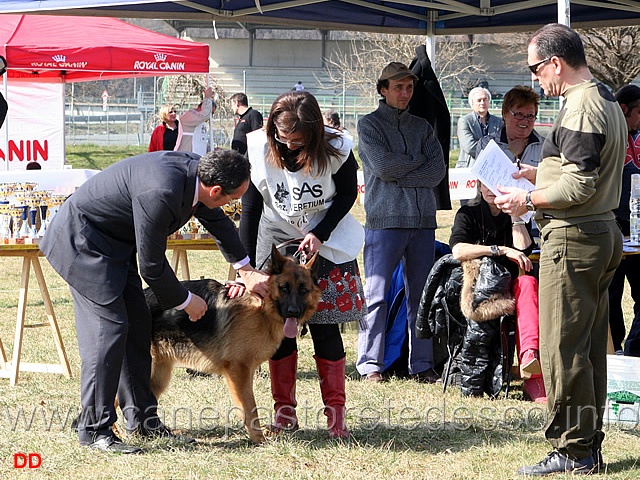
column 303, row 184
column 165, row 135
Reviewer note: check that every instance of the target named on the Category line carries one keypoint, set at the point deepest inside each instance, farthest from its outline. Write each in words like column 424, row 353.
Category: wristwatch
column 495, row 251
column 528, row 203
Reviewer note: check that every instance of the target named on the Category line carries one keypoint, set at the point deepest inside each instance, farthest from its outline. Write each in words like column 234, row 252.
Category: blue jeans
column 383, row 250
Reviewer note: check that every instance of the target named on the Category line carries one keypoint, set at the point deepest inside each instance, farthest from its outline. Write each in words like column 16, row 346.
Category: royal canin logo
column 160, row 63
column 60, row 61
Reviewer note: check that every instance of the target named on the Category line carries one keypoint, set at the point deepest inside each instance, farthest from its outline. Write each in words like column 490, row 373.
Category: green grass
column 97, row 157
column 399, row 429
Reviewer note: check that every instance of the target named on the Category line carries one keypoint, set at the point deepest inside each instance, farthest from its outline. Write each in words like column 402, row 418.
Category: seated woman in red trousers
column 482, row 229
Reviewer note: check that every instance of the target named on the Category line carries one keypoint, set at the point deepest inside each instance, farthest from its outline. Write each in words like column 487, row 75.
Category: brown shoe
column 374, row 377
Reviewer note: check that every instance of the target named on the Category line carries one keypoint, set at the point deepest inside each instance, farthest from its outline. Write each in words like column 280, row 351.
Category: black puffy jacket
column 476, row 349
column 439, row 315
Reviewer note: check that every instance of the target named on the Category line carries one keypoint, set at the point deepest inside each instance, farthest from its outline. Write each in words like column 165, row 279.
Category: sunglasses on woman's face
column 284, row 141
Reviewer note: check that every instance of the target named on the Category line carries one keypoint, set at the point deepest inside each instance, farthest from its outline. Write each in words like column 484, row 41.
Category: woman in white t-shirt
column 303, row 184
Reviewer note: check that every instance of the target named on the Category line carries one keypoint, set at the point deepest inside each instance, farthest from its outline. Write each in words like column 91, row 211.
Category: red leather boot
column 332, row 381
column 283, row 388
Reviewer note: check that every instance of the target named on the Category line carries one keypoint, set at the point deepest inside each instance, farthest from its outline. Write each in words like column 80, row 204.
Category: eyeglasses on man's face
column 536, row 66
column 521, row 116
column 285, row 141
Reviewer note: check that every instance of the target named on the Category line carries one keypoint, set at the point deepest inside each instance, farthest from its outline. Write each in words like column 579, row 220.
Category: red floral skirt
column 342, row 293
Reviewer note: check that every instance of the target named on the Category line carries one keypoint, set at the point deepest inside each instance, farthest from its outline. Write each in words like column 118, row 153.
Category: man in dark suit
column 117, row 220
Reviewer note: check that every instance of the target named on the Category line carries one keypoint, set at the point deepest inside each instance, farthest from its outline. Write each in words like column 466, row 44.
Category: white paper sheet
column 493, row 168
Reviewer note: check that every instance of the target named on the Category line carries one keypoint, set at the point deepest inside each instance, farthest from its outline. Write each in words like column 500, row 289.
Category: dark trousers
column 630, row 269
column 114, row 342
column 327, row 343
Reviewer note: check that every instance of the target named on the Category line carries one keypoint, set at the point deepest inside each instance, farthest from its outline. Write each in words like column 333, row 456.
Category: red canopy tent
column 93, row 48
column 43, row 50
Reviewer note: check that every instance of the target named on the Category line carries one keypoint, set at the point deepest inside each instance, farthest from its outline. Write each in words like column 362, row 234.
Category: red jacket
column 157, row 138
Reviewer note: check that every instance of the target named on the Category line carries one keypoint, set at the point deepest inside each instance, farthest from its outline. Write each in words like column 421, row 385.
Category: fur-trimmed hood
column 495, row 306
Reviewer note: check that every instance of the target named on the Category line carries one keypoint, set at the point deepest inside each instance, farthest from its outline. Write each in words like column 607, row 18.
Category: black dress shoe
column 555, row 462
column 428, row 376
column 161, row 432
column 113, row 444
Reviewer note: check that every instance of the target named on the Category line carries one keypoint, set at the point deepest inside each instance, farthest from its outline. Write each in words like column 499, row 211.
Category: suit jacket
column 429, row 103
column 132, row 206
column 469, row 132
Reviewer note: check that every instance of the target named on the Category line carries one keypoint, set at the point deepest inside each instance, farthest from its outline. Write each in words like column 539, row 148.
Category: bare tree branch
column 612, row 54
column 359, row 66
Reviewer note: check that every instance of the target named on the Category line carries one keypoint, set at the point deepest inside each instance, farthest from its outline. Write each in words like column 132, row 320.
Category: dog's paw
column 259, row 436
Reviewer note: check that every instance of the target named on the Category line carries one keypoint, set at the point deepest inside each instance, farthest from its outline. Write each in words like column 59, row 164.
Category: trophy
column 6, row 190
column 53, row 202
column 33, row 205
column 16, row 213
column 26, row 187
column 44, row 197
column 24, row 228
column 5, row 208
column 233, row 209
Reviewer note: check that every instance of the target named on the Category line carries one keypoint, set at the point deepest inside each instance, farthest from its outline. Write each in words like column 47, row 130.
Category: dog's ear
column 277, row 260
column 313, row 264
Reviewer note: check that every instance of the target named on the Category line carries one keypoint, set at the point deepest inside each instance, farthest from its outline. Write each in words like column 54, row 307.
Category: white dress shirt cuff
column 241, row 263
column 185, row 303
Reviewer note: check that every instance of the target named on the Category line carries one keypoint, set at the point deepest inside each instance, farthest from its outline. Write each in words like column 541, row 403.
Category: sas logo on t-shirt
column 315, row 191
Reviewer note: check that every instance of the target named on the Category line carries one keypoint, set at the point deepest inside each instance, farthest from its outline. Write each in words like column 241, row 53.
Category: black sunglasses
column 534, row 68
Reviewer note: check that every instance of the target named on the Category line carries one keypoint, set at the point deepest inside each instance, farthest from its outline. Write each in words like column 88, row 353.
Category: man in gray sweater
column 403, row 163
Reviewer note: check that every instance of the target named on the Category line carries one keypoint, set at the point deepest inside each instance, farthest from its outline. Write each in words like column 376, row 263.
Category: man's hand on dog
column 196, row 308
column 235, row 289
column 254, row 280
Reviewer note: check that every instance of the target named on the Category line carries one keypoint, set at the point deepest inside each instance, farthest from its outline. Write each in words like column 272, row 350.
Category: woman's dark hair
column 299, row 112
column 332, row 118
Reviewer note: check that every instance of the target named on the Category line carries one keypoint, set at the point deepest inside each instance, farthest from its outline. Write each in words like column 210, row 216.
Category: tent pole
column 6, row 123
column 210, row 116
column 430, row 42
column 64, row 124
column 564, row 12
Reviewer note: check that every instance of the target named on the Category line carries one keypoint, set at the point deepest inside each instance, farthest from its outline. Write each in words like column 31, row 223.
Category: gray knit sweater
column 403, row 163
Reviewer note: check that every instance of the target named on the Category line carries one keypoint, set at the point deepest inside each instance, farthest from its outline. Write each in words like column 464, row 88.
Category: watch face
column 529, row 204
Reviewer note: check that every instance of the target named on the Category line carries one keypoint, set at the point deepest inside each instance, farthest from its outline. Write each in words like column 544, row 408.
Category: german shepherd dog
column 235, row 335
